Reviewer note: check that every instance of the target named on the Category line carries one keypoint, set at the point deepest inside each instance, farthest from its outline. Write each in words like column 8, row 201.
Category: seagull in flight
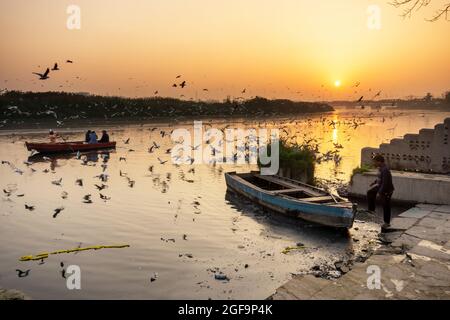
column 55, row 67
column 22, row 274
column 161, row 161
column 57, row 211
column 43, row 76
column 378, row 94
column 31, row 208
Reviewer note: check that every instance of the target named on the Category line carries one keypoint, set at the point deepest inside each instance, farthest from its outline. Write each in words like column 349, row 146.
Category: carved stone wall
column 427, row 151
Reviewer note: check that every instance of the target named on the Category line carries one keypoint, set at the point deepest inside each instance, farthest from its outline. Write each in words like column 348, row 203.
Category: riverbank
column 413, row 264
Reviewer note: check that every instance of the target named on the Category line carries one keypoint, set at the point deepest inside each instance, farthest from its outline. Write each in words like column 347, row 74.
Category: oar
column 333, row 197
column 327, row 190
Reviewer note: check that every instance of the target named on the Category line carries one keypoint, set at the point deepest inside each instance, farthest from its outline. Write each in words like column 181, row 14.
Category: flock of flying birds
column 44, row 76
column 289, row 131
column 318, row 95
column 182, row 84
column 292, row 137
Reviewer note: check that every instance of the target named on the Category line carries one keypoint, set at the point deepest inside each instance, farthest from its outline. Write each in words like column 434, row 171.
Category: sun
column 337, row 83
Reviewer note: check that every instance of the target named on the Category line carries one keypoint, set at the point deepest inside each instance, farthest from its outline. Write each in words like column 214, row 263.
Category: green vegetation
column 360, row 170
column 16, row 105
column 363, row 169
column 296, row 161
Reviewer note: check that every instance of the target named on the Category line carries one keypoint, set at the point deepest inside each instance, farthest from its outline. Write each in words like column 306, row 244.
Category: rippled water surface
column 178, row 220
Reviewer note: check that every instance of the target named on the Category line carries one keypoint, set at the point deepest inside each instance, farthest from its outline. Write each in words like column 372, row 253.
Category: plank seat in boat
column 318, row 199
column 292, row 187
column 289, row 190
column 309, row 192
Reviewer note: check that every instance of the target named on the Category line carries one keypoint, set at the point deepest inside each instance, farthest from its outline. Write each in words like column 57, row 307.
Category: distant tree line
column 428, row 102
column 70, row 106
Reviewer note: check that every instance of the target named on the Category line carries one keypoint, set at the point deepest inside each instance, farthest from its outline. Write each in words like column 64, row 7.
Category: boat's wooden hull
column 340, row 215
column 63, row 147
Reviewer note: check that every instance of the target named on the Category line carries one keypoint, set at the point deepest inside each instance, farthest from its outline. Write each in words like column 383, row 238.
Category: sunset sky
column 297, row 49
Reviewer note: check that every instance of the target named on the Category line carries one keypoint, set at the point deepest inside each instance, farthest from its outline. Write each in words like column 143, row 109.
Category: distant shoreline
column 81, row 125
column 435, row 104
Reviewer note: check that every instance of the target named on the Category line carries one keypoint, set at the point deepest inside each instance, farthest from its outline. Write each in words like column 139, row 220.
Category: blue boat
column 293, row 198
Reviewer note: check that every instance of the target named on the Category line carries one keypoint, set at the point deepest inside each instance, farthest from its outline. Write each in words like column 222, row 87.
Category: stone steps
column 413, row 266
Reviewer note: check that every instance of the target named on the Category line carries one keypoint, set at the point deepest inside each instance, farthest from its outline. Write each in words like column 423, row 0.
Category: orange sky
column 273, row 48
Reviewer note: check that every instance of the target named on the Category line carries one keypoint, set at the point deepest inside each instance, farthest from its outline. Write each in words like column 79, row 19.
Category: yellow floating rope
column 289, row 249
column 45, row 255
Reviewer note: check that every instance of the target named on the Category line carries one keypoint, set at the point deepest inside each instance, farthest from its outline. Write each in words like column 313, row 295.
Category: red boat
column 72, row 146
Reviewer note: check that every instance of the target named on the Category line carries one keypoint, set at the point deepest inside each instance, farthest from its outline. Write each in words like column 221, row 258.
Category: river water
column 179, row 222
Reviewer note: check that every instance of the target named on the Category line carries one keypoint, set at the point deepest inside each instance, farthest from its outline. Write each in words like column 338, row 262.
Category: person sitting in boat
column 52, row 136
column 88, row 136
column 104, row 138
column 93, row 137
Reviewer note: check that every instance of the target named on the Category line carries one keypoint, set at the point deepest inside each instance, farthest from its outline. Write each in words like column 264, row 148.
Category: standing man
column 381, row 188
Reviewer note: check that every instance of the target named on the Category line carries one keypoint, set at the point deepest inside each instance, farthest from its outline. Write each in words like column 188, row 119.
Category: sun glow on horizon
column 307, row 50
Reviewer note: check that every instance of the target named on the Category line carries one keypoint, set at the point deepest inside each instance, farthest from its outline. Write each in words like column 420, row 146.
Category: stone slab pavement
column 414, row 264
